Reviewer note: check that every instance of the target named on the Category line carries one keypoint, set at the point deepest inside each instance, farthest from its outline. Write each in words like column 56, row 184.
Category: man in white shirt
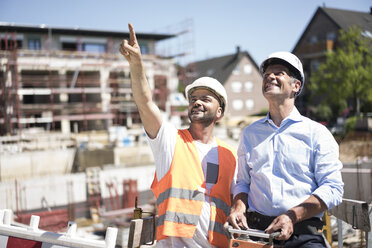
column 289, row 171
column 194, row 170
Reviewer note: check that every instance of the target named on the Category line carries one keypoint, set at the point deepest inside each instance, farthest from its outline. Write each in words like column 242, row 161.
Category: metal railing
column 356, row 213
column 68, row 239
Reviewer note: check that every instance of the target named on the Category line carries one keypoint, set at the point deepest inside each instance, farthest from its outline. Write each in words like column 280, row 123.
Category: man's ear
column 219, row 113
column 297, row 86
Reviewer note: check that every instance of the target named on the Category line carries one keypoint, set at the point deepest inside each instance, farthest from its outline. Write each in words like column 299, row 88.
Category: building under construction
column 59, row 86
column 72, row 79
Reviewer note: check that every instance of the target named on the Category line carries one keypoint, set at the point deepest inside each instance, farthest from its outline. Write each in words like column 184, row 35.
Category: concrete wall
column 43, row 192
column 35, row 163
column 143, row 174
column 358, row 180
column 59, row 191
column 119, row 156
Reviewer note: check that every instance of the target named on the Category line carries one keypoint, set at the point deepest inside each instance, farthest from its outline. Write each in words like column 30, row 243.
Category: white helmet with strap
column 210, row 84
column 288, row 59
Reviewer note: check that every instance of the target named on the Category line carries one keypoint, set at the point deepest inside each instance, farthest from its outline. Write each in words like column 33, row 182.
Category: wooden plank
column 354, row 213
column 141, row 231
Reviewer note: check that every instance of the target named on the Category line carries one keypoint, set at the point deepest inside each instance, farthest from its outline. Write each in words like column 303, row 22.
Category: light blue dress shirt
column 280, row 167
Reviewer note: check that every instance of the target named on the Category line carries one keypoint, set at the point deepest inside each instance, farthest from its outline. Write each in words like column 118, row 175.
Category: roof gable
column 342, row 19
column 220, row 68
column 347, row 18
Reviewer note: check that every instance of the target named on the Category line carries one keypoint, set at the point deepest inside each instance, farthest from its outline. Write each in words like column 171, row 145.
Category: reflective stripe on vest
column 190, row 195
column 217, row 227
column 189, row 219
column 181, row 194
column 218, row 203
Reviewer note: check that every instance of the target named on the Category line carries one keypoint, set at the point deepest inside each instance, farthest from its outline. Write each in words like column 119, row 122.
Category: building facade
column 72, row 80
column 240, row 76
column 321, row 36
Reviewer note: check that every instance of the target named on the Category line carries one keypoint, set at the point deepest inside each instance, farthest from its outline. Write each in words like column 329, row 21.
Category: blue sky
column 217, row 27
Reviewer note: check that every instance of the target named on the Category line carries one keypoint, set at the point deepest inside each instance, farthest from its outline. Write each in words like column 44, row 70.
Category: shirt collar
column 294, row 116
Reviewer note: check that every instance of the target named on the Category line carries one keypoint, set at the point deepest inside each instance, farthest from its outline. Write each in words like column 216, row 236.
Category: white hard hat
column 210, row 84
column 290, row 60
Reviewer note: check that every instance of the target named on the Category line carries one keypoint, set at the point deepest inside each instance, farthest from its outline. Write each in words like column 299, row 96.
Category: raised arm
column 149, row 112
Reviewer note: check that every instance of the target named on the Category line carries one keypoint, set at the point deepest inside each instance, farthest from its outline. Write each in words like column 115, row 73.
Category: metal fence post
column 339, row 233
column 369, row 234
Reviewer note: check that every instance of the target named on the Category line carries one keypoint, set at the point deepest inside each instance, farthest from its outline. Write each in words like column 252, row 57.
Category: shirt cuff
column 240, row 188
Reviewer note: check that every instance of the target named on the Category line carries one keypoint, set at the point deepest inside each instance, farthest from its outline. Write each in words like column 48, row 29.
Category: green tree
column 347, row 73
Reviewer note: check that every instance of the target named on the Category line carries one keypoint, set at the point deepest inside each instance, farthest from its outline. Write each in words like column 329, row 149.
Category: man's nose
column 269, row 77
column 197, row 102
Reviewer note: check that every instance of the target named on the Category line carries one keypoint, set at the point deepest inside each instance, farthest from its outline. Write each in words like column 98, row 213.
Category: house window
column 237, row 104
column 313, row 39
column 314, row 64
column 366, row 33
column 94, row 47
column 144, row 48
column 34, row 44
column 247, row 69
column 249, row 104
column 236, row 87
column 331, row 36
column 9, row 44
column 248, row 86
column 69, row 46
column 236, row 70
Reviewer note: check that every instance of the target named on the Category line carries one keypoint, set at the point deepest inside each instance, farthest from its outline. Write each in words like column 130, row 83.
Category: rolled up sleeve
column 243, row 178
column 328, row 171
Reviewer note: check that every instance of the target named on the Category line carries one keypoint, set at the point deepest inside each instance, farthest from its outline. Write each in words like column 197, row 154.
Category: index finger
column 132, row 35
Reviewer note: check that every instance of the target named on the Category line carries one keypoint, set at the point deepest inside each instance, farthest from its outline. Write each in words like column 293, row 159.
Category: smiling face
column 204, row 107
column 277, row 82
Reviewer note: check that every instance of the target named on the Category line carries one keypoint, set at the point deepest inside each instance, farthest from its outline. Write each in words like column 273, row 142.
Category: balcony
column 315, row 48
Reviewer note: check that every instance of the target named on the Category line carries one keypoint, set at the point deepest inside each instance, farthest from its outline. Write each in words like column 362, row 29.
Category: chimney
column 237, row 49
column 370, row 10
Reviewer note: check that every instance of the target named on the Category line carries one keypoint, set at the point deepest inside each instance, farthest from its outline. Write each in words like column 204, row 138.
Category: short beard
column 206, row 120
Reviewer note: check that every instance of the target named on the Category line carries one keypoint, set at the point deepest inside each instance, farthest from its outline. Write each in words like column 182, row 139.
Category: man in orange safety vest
column 195, row 171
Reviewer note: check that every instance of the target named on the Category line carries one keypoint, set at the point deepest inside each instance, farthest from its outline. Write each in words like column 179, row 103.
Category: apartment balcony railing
column 319, row 47
column 68, row 54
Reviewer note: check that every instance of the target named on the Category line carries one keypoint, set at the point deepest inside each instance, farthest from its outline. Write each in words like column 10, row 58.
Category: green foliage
column 350, row 123
column 181, row 87
column 347, row 72
column 323, row 112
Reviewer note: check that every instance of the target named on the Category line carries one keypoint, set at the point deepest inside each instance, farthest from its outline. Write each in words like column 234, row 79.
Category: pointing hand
column 130, row 49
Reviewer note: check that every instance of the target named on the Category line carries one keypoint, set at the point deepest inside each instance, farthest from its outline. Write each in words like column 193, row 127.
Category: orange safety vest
column 180, row 193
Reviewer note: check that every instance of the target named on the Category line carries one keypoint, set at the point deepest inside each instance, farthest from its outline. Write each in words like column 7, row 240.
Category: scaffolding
column 70, row 89
column 181, row 48
column 9, row 100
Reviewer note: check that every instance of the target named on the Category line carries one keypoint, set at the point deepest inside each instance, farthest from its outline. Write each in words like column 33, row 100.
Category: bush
column 350, row 123
column 323, row 113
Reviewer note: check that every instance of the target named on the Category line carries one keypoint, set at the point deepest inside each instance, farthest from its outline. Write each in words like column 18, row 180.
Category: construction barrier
column 12, row 236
